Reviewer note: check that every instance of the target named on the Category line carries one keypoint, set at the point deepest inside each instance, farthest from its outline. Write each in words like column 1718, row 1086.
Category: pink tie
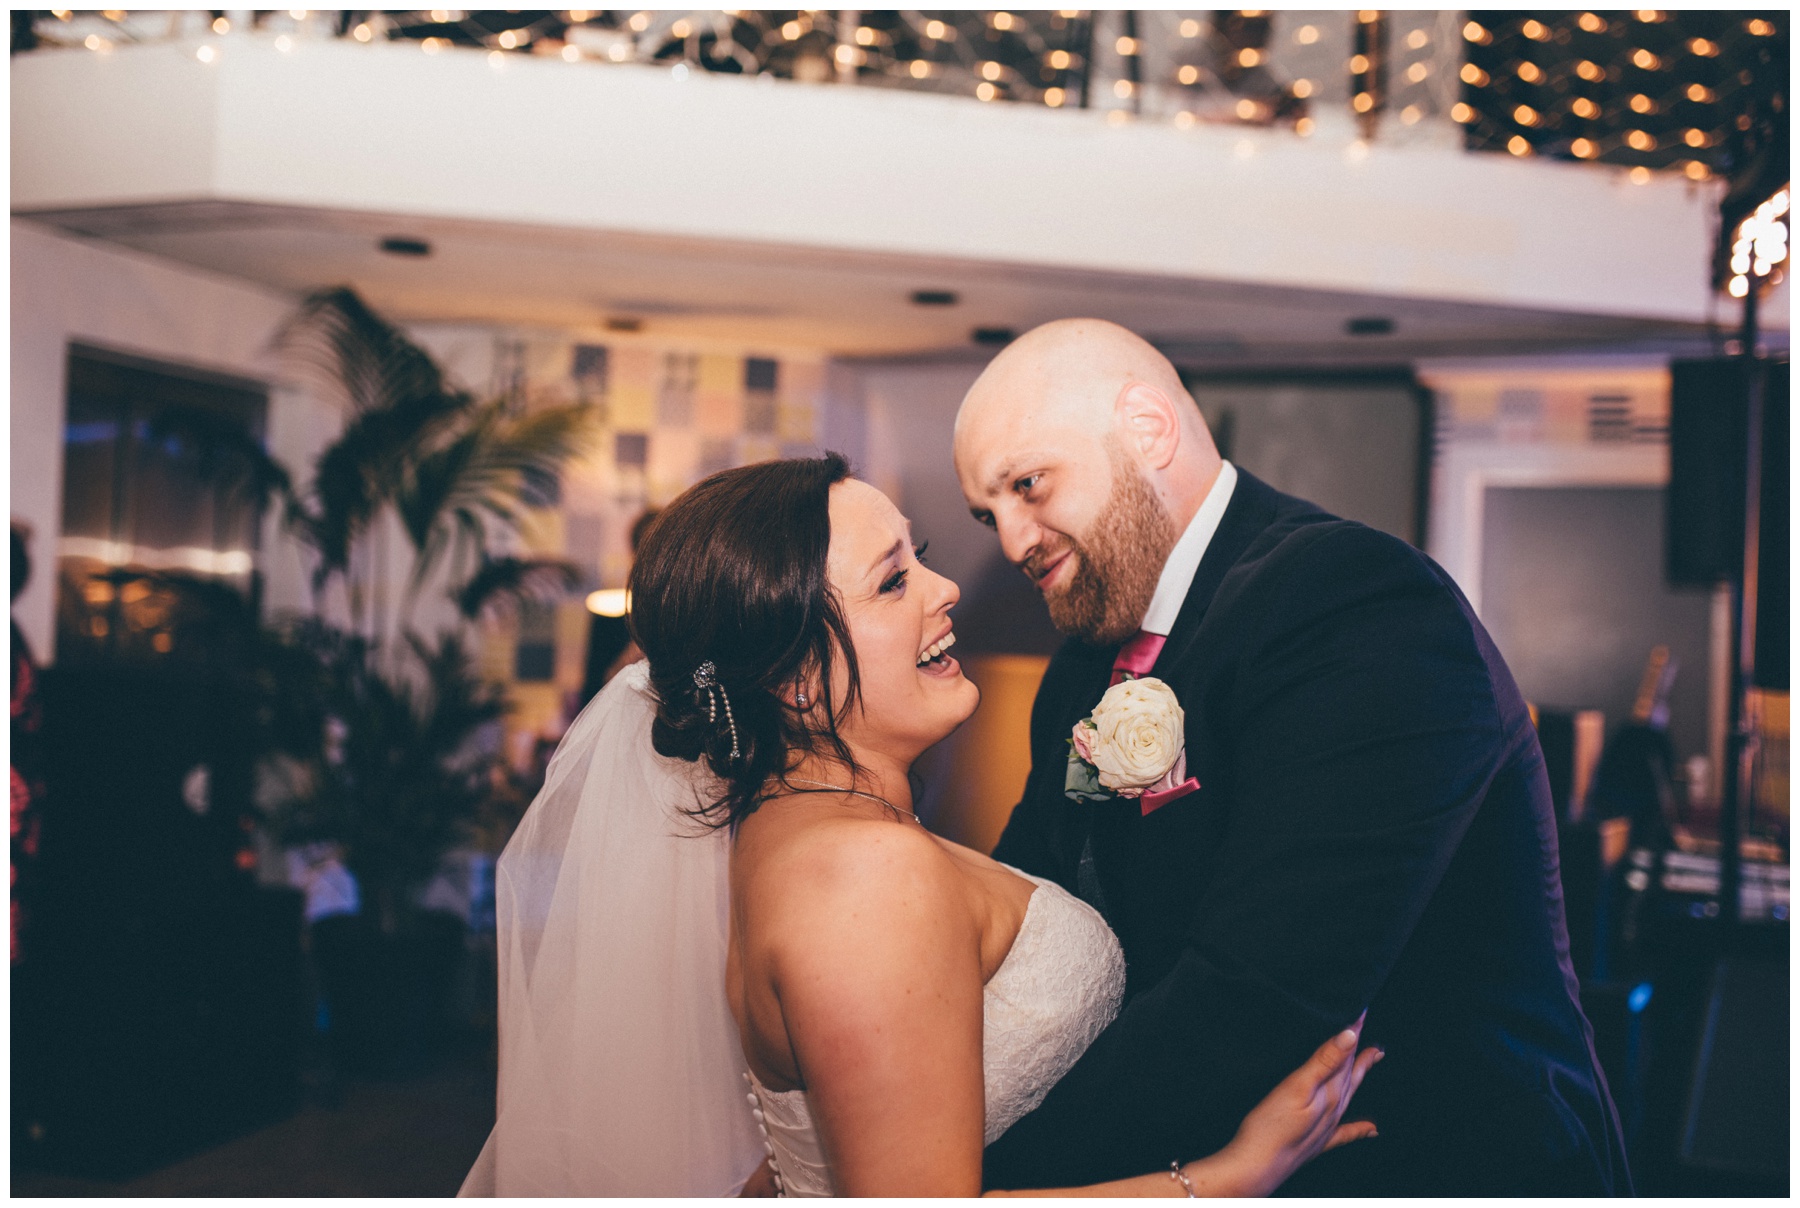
column 1137, row 656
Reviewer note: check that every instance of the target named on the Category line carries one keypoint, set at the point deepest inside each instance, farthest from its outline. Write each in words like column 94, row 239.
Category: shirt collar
column 1184, row 559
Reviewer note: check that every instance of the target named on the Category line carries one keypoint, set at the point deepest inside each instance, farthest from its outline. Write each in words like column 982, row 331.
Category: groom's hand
column 762, row 1183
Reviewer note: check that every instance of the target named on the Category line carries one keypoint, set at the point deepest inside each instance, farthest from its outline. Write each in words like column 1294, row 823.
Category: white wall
column 67, row 290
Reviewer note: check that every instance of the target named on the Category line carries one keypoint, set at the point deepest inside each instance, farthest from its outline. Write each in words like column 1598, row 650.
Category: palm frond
column 501, row 581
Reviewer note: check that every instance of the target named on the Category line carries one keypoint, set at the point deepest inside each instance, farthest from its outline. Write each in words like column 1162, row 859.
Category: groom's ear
column 1148, row 424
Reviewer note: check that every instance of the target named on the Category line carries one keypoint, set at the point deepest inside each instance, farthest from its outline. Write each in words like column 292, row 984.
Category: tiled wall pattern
column 1587, row 407
column 669, row 415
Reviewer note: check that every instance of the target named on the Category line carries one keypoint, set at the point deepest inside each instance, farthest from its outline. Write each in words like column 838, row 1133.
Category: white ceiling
column 848, row 303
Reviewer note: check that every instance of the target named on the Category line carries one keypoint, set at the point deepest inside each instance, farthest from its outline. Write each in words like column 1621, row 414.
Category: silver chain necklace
column 838, row 788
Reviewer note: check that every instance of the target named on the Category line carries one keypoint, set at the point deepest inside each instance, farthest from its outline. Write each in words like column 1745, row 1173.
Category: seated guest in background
column 1363, row 819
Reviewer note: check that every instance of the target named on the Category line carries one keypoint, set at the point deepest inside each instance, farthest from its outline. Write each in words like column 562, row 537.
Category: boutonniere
column 1133, row 745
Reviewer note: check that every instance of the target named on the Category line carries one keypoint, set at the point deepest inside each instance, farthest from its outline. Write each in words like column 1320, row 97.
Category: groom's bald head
column 1080, row 438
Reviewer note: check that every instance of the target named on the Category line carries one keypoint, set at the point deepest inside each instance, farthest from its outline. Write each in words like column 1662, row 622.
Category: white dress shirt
column 1184, row 559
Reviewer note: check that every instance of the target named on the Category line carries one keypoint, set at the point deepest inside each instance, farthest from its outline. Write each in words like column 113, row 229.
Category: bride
column 737, row 962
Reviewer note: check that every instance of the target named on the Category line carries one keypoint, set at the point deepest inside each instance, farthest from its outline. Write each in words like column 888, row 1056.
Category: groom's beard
column 1117, row 562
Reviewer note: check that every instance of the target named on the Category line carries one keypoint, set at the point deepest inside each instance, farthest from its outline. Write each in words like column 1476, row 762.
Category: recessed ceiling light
column 405, row 245
column 934, row 297
column 624, row 323
column 1370, row 325
column 992, row 336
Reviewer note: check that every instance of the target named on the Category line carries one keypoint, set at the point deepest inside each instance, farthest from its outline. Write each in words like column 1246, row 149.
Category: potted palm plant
column 374, row 726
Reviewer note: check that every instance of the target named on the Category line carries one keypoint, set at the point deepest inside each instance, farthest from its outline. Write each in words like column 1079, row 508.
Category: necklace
column 838, row 788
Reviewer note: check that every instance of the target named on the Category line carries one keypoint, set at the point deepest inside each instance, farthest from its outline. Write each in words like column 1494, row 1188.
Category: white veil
column 620, row 1067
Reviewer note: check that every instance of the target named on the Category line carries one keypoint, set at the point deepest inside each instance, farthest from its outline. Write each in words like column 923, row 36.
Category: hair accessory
column 1180, row 1176
column 706, row 679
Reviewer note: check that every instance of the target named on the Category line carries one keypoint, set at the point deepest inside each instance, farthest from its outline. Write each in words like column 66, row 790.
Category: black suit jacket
column 1373, row 829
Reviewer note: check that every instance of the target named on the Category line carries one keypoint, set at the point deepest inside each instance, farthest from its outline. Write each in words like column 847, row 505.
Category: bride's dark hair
column 733, row 573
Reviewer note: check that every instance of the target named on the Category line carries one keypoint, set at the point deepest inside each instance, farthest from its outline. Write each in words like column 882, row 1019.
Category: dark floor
column 416, row 1136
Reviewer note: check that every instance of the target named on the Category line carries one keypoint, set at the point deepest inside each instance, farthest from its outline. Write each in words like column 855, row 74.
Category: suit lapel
column 1252, row 509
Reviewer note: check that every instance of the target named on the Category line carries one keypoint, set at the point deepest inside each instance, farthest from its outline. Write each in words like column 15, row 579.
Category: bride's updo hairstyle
column 733, row 573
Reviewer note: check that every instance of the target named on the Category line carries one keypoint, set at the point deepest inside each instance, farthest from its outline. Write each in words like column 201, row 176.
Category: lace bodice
column 1060, row 984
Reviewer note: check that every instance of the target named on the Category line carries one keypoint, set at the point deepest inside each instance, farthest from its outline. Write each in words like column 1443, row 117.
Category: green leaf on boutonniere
column 1082, row 781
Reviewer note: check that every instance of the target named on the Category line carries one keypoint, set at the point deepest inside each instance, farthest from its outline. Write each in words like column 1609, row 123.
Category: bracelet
column 1176, row 1173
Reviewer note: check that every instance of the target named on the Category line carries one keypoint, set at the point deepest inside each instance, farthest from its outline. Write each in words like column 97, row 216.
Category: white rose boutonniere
column 1134, row 742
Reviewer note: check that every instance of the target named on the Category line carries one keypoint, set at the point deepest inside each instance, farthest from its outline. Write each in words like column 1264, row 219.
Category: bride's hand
column 1300, row 1118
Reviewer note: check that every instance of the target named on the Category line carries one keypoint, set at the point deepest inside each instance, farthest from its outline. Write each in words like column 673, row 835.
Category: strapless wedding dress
column 1059, row 986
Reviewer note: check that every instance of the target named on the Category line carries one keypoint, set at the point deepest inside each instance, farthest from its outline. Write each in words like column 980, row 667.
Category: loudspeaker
column 1737, row 1111
column 1706, row 471
column 1708, row 430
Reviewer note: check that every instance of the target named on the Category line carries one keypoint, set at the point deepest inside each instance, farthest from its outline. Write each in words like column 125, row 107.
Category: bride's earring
column 800, row 698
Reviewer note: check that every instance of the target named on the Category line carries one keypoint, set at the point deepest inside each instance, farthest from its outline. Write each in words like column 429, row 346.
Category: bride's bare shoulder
column 812, row 877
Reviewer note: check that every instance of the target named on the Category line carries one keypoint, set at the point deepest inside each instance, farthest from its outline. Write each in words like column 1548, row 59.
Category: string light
column 1530, row 72
column 571, row 53
column 362, row 33
column 680, row 30
column 1249, row 57
column 221, row 25
column 1518, row 146
column 1189, row 74
column 1642, row 104
column 1122, row 89
column 1535, row 30
column 1704, row 48
column 1584, row 148
column 1061, row 59
column 1760, row 28
column 986, row 91
column 1410, row 115
column 1462, row 113
column 1700, row 93
column 1694, row 138
column 1640, row 175
column 1645, row 60
column 1190, row 28
column 1126, row 46
column 1582, row 107
column 934, row 30
column 1473, row 32
column 1593, row 23
column 1473, row 76
column 1641, row 140
column 1306, row 35
column 1003, row 21
column 1417, row 39
column 1362, row 102
column 990, row 70
column 920, row 70
column 1760, row 245
column 639, row 22
column 1303, row 88
column 1054, row 97
column 1696, row 170
column 1590, row 71
column 1359, row 64
column 1304, row 127
column 866, row 36
column 1246, row 110
column 1525, row 115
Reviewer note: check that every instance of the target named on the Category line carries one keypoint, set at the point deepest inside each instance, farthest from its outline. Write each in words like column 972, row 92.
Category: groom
column 1367, row 822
